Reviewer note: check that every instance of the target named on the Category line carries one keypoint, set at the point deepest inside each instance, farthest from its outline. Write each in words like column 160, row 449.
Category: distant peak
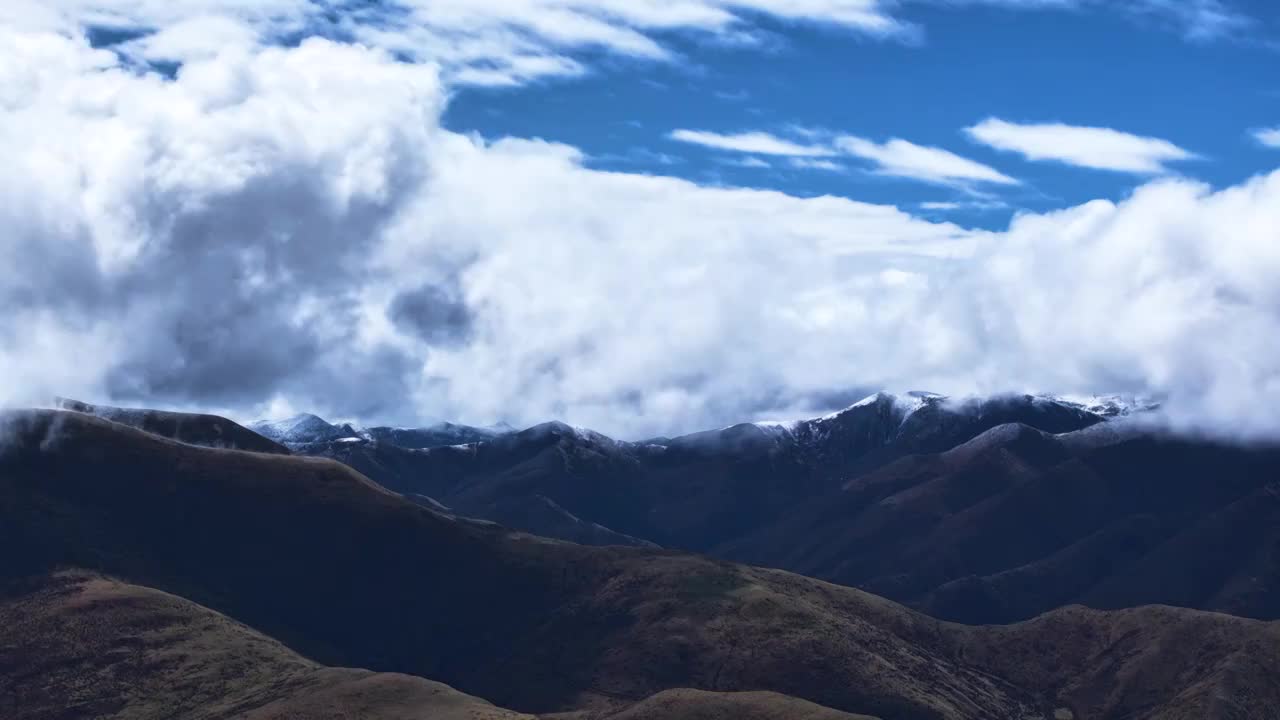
column 909, row 402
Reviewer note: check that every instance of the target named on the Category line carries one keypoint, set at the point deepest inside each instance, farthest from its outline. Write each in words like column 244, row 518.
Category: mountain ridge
column 359, row 577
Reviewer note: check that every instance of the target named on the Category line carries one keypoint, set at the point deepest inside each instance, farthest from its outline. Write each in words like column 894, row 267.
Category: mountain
column 695, row 492
column 99, row 647
column 345, row 573
column 533, row 512
column 988, row 511
column 301, row 431
column 76, row 644
column 1017, row 522
column 304, row 429
column 438, row 435
column 195, row 429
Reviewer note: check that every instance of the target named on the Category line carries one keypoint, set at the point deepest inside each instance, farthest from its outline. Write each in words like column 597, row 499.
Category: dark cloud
column 433, row 314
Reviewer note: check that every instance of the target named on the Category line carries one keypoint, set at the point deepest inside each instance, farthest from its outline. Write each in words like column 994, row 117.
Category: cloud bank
column 292, row 228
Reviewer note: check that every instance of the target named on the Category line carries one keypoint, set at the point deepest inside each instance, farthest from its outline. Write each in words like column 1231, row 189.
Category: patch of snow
column 1110, row 406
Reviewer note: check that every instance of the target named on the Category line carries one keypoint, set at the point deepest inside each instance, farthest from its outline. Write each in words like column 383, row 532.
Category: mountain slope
column 350, row 574
column 694, row 492
column 78, row 645
column 1017, row 522
column 74, row 643
column 192, row 428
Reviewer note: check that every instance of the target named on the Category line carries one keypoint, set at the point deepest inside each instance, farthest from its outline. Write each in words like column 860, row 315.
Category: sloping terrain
column 79, row 645
column 74, row 644
column 694, row 492
column 192, row 428
column 1018, row 522
column 335, row 567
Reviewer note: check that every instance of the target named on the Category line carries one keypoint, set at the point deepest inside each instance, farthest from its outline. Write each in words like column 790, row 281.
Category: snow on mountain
column 1110, row 406
column 301, row 430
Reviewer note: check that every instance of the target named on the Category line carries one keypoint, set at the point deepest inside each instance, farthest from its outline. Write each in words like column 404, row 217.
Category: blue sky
column 1148, row 76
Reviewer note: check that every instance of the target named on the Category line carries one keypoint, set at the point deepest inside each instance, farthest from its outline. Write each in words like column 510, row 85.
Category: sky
column 641, row 216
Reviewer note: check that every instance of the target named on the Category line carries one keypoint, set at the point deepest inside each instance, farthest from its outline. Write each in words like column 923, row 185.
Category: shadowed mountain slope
column 191, row 428
column 1017, row 522
column 349, row 574
column 74, row 644
column 694, row 492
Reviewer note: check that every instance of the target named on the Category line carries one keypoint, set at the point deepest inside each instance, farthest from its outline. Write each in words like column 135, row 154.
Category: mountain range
column 978, row 511
column 145, row 577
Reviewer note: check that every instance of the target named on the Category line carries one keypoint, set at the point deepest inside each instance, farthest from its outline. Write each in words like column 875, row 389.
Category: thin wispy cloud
column 749, row 161
column 1199, row 20
column 958, row 205
column 755, row 143
column 801, row 163
column 512, row 43
column 819, row 150
column 1269, row 137
column 900, row 158
column 1098, row 148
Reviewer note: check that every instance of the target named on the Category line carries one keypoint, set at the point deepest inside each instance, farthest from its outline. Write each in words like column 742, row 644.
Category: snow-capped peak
column 908, row 402
column 1109, row 406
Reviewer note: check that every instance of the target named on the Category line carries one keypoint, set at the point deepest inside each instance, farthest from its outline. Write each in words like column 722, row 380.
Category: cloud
column 755, row 143
column 1268, row 137
column 1199, row 20
column 292, row 227
column 749, row 161
column 897, row 158
column 521, row 41
column 952, row 205
column 900, row 158
column 1089, row 147
column 475, row 43
column 800, row 163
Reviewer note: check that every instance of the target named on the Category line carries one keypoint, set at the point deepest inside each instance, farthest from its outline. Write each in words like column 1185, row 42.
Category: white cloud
column 756, row 143
column 1200, row 20
column 510, row 42
column 1090, row 147
column 801, row 163
column 749, row 161
column 900, row 158
column 501, row 42
column 951, row 205
column 1268, row 137
column 293, row 227
column 897, row 158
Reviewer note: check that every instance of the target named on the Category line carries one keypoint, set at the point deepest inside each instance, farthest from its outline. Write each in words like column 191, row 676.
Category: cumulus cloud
column 1089, row 147
column 291, row 227
column 1269, row 137
column 900, row 158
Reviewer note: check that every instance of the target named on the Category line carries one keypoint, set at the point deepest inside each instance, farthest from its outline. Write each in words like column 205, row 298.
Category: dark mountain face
column 195, row 429
column 980, row 512
column 698, row 491
column 344, row 572
column 1017, row 522
column 441, row 435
